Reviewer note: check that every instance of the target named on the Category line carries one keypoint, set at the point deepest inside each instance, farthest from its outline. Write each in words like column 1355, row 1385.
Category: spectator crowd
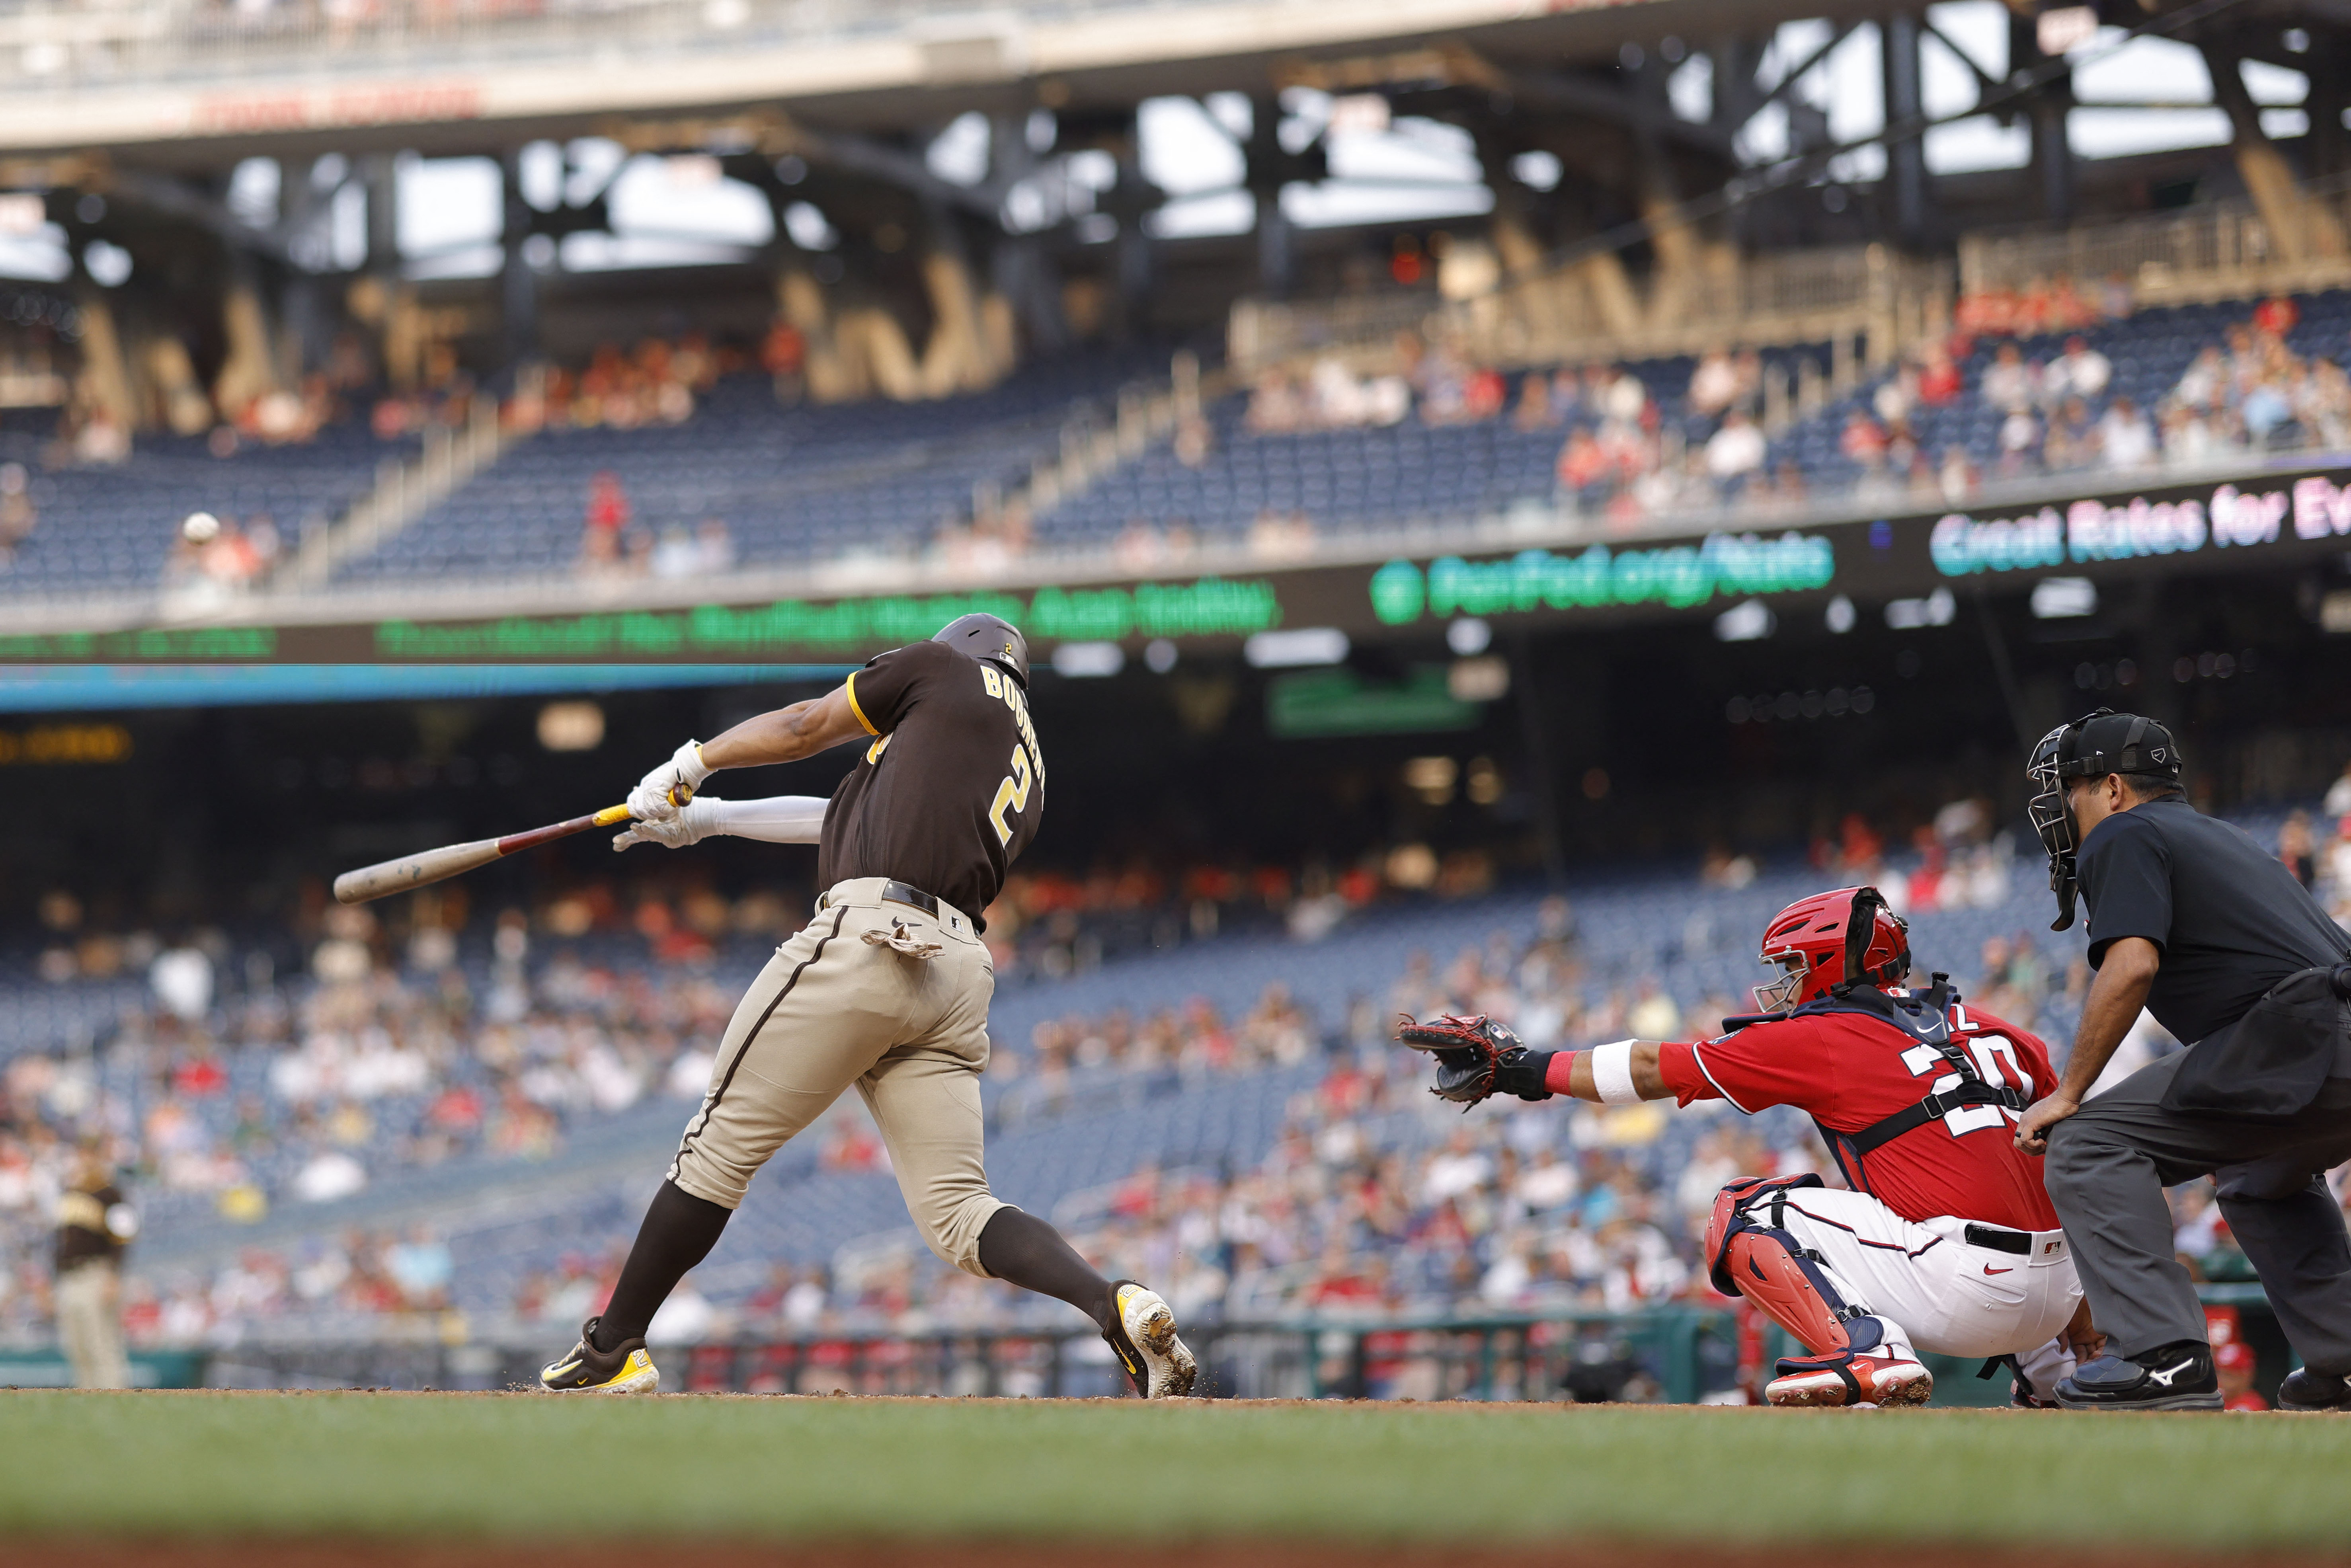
column 224, row 1101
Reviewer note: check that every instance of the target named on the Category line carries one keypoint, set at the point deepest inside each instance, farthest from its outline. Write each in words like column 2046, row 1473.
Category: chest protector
column 1925, row 1019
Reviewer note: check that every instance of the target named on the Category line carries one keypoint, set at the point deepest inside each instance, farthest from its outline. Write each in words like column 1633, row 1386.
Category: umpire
column 2192, row 920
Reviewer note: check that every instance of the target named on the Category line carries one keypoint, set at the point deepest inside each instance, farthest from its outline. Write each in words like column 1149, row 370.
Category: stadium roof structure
column 206, row 83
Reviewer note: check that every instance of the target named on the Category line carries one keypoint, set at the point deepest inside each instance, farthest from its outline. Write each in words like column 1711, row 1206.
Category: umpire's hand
column 2033, row 1131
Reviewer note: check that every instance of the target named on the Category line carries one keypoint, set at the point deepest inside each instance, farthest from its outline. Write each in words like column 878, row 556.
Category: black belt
column 897, row 893
column 1999, row 1241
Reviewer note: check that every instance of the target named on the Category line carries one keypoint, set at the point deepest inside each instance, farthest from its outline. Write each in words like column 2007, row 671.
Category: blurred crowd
column 1374, row 1199
column 233, row 1092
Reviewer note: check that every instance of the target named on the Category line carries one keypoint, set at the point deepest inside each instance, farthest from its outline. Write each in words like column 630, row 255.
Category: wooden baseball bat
column 399, row 875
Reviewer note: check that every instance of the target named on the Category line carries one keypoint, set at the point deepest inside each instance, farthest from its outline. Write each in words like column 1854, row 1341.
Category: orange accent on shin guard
column 1768, row 1275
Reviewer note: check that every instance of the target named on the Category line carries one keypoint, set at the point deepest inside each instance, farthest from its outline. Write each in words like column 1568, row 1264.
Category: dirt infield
column 1078, row 1554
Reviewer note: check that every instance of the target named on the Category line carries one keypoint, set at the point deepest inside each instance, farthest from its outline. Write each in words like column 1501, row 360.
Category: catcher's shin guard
column 1769, row 1268
column 1855, row 1358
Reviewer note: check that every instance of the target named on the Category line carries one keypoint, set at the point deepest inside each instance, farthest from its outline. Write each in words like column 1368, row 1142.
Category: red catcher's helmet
column 1846, row 937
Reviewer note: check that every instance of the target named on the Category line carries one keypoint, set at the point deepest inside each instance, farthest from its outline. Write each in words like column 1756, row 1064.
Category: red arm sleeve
column 1776, row 1063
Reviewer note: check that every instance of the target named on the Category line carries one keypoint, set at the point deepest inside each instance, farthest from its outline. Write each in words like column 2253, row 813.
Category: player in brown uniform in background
column 887, row 987
column 94, row 1226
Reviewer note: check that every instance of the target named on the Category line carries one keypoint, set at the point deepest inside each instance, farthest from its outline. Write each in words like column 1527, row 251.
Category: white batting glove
column 661, row 792
column 695, row 821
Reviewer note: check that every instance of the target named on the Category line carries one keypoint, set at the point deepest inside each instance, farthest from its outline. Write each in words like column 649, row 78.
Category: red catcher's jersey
column 1849, row 1070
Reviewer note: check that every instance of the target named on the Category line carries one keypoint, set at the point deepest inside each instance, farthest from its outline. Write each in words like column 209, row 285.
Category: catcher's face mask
column 2053, row 819
column 1779, row 996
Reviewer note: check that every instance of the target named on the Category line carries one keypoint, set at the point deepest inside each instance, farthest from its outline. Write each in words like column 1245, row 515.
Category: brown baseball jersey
column 953, row 786
column 90, row 1229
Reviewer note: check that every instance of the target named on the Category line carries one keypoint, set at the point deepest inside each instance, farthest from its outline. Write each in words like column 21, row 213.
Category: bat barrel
column 388, row 877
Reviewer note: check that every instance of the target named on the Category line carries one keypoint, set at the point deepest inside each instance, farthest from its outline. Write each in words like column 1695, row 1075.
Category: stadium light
column 1088, row 661
column 1909, row 614
column 1469, row 635
column 1749, row 622
column 571, row 726
column 1300, row 645
column 2062, row 598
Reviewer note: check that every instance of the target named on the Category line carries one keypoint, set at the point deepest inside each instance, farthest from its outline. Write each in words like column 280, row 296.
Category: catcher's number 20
column 1991, row 1052
column 1028, row 762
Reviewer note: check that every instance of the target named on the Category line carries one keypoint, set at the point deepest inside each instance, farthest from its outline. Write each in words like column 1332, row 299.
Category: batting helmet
column 988, row 637
column 1829, row 942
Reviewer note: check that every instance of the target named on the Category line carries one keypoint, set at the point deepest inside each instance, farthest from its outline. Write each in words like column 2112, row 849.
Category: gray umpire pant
column 2107, row 1169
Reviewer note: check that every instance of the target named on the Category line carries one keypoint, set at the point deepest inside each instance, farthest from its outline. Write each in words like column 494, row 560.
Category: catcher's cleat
column 1850, row 1377
column 1142, row 1333
column 626, row 1369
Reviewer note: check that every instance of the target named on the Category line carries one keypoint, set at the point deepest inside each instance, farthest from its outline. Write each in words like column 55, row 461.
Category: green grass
column 453, row 1466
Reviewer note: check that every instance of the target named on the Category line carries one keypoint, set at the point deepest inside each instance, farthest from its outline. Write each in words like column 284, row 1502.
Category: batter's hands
column 658, row 796
column 691, row 824
column 2033, row 1131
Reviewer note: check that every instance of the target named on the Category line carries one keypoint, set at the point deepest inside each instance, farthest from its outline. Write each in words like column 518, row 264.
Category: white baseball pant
column 1948, row 1296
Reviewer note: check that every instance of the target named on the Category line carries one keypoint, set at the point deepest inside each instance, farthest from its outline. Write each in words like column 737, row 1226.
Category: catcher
column 1945, row 1242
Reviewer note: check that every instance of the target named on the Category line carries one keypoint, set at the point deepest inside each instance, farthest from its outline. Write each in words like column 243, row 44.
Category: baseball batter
column 887, row 987
column 1945, row 1241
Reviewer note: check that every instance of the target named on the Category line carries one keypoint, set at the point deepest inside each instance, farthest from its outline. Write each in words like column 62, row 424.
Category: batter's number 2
column 1012, row 795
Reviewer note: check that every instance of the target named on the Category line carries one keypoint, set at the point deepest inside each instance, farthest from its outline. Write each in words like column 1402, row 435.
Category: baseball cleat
column 2173, row 1377
column 1143, row 1332
column 626, row 1369
column 1850, row 1378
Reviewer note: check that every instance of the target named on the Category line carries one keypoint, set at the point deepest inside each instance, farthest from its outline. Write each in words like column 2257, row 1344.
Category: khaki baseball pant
column 841, row 1004
column 89, row 1323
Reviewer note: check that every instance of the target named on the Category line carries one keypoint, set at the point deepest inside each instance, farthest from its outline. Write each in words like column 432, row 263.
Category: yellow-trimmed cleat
column 626, row 1369
column 1143, row 1332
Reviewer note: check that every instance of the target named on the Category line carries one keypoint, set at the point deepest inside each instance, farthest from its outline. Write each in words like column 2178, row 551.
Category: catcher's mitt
column 1477, row 1058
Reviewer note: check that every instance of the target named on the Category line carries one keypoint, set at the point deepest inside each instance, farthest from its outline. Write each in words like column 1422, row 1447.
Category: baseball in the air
column 201, row 528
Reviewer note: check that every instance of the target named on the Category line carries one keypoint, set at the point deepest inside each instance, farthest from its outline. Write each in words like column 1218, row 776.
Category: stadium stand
column 1891, row 436
column 471, row 1129
column 786, row 484
column 1633, row 441
column 110, row 527
column 742, row 482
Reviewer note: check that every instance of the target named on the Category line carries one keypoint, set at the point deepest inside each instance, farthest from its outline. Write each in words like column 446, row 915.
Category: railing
column 128, row 41
column 1677, row 1354
column 403, row 491
column 2223, row 251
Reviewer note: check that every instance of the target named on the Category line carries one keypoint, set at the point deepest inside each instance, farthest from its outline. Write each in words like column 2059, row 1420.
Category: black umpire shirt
column 2231, row 919
column 953, row 787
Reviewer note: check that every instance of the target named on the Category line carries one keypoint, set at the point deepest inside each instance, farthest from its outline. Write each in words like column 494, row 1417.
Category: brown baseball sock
column 678, row 1232
column 1032, row 1255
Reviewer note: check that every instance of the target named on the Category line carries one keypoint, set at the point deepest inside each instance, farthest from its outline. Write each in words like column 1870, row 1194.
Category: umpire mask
column 2090, row 747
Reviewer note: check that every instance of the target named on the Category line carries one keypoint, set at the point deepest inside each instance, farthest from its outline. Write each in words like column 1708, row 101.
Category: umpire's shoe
column 2177, row 1377
column 2308, row 1390
column 626, row 1369
column 1143, row 1332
